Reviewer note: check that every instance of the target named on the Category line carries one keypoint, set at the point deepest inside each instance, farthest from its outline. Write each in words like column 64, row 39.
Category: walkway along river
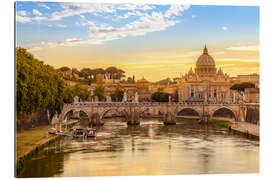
column 148, row 149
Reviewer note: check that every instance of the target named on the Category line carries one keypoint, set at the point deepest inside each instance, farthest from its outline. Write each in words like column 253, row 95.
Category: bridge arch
column 67, row 111
column 188, row 111
column 106, row 111
column 224, row 112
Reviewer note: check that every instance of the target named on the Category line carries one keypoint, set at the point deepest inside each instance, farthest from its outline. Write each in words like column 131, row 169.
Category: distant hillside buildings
column 205, row 83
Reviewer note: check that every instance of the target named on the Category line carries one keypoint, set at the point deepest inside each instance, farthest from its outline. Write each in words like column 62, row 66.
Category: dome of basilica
column 205, row 59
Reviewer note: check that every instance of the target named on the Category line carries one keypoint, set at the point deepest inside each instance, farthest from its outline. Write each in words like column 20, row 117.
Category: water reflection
column 148, row 149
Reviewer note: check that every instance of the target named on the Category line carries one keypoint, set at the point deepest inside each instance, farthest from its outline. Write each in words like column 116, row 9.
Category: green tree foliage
column 86, row 73
column 68, row 95
column 130, row 80
column 99, row 92
column 115, row 73
column 241, row 86
column 160, row 97
column 64, row 69
column 81, row 91
column 39, row 87
column 118, row 94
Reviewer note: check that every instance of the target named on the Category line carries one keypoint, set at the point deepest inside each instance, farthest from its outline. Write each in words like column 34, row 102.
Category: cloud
column 145, row 24
column 244, row 48
column 22, row 13
column 193, row 16
column 43, row 5
column 128, row 14
column 36, row 12
column 156, row 21
column 22, row 19
column 101, row 33
column 130, row 6
column 175, row 10
column 57, row 25
column 224, row 28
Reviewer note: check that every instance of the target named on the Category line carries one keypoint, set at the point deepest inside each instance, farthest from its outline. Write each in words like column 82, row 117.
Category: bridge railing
column 156, row 103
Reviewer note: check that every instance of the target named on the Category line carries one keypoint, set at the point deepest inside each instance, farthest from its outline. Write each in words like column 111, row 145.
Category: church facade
column 206, row 83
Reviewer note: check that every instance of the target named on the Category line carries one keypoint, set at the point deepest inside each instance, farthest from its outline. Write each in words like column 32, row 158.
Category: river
column 148, row 149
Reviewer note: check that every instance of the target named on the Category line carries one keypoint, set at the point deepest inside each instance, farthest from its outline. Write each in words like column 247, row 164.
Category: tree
column 240, row 87
column 81, row 91
column 130, row 80
column 120, row 74
column 68, row 95
column 160, row 97
column 86, row 73
column 39, row 87
column 99, row 92
column 118, row 94
column 64, row 69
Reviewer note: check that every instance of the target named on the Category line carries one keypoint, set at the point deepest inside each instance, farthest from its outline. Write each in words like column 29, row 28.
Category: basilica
column 206, row 83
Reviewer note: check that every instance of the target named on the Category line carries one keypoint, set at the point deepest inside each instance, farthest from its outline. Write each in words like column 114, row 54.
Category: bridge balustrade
column 156, row 103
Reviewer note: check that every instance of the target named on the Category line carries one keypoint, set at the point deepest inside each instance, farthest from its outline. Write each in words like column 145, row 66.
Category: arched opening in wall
column 188, row 113
column 224, row 113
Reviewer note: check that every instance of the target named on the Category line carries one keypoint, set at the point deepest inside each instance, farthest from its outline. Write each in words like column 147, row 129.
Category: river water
column 148, row 149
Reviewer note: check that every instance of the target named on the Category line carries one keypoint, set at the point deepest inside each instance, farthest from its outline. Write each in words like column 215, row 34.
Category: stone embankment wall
column 253, row 115
column 29, row 121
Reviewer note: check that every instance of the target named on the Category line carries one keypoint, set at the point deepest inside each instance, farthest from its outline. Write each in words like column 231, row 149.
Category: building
column 253, row 78
column 252, row 95
column 206, row 83
column 144, row 93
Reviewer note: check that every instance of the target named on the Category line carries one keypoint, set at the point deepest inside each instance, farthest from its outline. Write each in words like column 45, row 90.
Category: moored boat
column 90, row 132
column 79, row 132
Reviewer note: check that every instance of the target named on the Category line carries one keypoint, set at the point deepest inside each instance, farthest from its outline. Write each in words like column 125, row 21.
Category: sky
column 146, row 40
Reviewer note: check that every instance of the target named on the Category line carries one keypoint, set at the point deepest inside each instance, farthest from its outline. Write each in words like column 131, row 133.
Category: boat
column 90, row 132
column 79, row 132
column 52, row 131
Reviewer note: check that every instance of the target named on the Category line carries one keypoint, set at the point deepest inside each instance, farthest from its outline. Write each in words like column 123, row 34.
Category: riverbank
column 248, row 129
column 243, row 128
column 29, row 142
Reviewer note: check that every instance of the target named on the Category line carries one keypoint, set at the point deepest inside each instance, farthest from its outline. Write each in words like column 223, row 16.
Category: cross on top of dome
column 205, row 50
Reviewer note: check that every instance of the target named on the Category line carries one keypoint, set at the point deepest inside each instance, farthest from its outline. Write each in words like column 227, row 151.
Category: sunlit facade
column 206, row 83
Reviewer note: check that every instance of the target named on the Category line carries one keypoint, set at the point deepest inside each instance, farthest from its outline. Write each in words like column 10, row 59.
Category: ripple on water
column 186, row 148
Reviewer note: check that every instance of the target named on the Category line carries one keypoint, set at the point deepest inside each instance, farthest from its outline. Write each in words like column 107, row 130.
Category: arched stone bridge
column 98, row 111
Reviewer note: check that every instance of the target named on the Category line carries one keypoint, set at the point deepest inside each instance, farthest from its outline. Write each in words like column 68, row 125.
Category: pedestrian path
column 252, row 129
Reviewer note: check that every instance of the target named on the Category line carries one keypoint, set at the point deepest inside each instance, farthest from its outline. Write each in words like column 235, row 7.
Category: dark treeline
column 90, row 74
column 242, row 86
column 39, row 88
